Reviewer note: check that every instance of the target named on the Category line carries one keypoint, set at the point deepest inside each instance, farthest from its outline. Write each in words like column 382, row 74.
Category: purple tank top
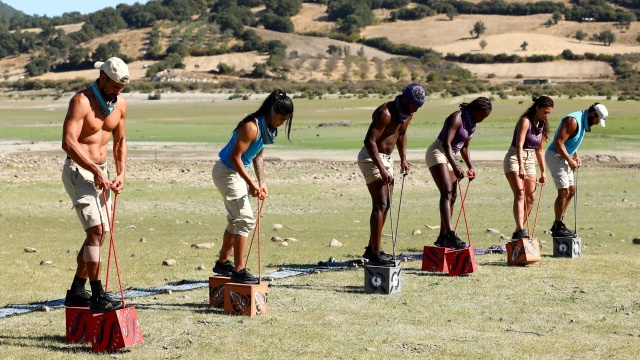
column 464, row 133
column 533, row 138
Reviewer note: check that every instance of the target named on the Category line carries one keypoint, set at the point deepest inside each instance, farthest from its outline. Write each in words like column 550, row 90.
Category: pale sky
column 53, row 8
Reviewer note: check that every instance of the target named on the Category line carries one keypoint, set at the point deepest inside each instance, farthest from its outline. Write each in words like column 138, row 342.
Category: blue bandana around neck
column 107, row 108
column 268, row 133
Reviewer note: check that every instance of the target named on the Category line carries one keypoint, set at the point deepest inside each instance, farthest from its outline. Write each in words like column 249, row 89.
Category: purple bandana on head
column 412, row 94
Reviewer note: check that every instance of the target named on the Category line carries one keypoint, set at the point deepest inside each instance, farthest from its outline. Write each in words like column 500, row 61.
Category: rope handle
column 112, row 244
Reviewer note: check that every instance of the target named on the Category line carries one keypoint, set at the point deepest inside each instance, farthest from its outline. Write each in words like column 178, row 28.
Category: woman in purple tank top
column 529, row 135
column 455, row 136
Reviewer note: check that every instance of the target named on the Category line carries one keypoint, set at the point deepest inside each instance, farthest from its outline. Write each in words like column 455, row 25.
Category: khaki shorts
column 369, row 169
column 235, row 195
column 435, row 155
column 560, row 171
column 510, row 162
column 87, row 200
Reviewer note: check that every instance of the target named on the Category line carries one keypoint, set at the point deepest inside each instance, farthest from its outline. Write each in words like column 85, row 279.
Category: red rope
column 111, row 223
column 463, row 211
column 112, row 243
column 537, row 210
column 463, row 199
column 260, row 204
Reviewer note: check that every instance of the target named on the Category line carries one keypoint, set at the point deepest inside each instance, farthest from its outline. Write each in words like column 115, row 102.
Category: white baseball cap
column 602, row 112
column 115, row 69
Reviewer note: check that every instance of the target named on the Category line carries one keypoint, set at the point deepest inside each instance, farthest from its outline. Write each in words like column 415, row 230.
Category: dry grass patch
column 312, row 17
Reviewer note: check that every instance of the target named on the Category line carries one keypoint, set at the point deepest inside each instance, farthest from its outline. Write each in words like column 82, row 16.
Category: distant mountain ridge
column 8, row 10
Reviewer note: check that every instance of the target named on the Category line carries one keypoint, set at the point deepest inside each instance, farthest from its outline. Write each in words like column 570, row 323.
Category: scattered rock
column 493, row 231
column 437, row 227
column 636, row 241
column 335, row 243
column 131, row 227
column 504, row 237
column 611, row 234
column 167, row 291
column 169, row 262
column 336, row 123
column 284, row 243
column 276, row 239
column 543, row 242
column 290, row 239
column 143, row 239
column 46, row 262
column 277, row 226
column 416, row 232
column 30, row 250
column 203, row 246
column 201, row 267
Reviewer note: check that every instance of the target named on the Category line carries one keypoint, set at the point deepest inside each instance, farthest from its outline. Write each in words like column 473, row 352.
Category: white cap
column 115, row 69
column 602, row 112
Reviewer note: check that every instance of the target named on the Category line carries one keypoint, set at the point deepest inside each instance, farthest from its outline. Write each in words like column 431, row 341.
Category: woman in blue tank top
column 529, row 135
column 231, row 178
column 455, row 136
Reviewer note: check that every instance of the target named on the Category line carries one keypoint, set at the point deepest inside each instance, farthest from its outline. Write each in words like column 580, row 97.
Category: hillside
column 8, row 10
column 307, row 57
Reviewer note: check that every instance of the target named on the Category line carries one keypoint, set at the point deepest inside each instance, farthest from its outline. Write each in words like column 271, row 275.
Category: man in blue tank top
column 562, row 159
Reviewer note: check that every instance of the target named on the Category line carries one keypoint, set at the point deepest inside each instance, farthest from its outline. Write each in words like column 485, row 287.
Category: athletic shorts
column 510, row 162
column 435, row 155
column 368, row 167
column 86, row 199
column 235, row 195
column 560, row 171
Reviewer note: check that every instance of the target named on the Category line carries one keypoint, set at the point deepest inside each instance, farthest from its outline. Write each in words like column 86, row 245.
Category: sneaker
column 520, row 234
column 440, row 241
column 227, row 268
column 77, row 298
column 453, row 241
column 104, row 303
column 244, row 277
column 560, row 230
column 379, row 258
column 369, row 253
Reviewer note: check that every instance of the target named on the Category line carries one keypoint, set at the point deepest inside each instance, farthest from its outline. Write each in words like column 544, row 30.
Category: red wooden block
column 461, row 261
column 115, row 330
column 216, row 290
column 525, row 251
column 246, row 299
column 77, row 323
column 433, row 258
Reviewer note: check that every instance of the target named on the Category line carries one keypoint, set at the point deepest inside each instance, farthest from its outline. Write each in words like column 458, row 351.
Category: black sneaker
column 77, row 298
column 244, row 277
column 520, row 234
column 453, row 241
column 104, row 303
column 560, row 230
column 227, row 268
column 379, row 258
column 369, row 253
column 440, row 241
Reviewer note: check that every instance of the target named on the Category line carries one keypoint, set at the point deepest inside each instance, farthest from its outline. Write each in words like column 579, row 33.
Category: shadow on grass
column 341, row 289
column 194, row 307
column 45, row 342
column 425, row 273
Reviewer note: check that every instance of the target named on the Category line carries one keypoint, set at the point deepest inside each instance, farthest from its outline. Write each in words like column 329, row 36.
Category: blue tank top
column 463, row 134
column 252, row 151
column 533, row 137
column 573, row 143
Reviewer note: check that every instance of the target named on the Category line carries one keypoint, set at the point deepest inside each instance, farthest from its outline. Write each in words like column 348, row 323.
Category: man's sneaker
column 520, row 234
column 244, row 277
column 453, row 241
column 369, row 253
column 440, row 241
column 227, row 268
column 77, row 298
column 560, row 230
column 103, row 303
column 379, row 258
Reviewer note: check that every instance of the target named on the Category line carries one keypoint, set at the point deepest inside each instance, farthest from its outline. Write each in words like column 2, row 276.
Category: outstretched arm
column 451, row 126
column 568, row 129
column 246, row 134
column 381, row 119
column 258, row 167
column 120, row 149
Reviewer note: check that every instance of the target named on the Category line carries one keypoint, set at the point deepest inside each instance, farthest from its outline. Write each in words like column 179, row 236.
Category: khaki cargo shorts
column 435, row 155
column 369, row 169
column 235, row 195
column 510, row 162
column 86, row 199
column 559, row 168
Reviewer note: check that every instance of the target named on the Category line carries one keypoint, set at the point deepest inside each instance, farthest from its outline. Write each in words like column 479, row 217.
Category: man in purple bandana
column 388, row 129
column 93, row 115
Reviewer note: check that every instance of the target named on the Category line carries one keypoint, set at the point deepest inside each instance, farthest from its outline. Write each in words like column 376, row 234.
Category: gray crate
column 568, row 247
column 382, row 279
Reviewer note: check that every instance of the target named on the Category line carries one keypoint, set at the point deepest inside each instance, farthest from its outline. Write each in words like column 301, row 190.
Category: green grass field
column 562, row 309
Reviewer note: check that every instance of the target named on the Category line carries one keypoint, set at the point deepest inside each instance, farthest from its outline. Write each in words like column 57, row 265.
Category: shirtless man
column 93, row 115
column 388, row 129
